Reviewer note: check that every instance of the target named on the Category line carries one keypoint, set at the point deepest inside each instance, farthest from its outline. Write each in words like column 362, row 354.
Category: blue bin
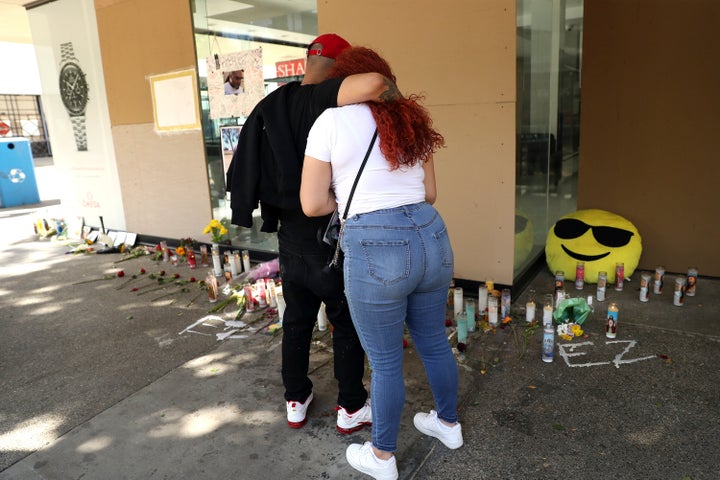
column 18, row 185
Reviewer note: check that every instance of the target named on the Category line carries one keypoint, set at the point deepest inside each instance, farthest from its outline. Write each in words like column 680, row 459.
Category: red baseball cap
column 332, row 45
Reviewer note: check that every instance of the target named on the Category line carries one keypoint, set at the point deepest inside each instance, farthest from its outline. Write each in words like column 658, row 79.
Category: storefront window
column 254, row 48
column 549, row 55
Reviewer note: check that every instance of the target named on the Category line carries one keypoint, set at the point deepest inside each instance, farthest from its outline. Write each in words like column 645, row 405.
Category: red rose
column 448, row 322
column 142, row 270
column 177, row 275
column 135, row 289
column 121, row 273
column 192, row 280
column 162, row 273
column 405, row 343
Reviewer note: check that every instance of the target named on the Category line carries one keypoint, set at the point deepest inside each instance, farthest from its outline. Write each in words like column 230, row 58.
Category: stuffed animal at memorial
column 598, row 238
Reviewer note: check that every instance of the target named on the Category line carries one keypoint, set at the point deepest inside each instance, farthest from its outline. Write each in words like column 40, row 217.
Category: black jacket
column 267, row 164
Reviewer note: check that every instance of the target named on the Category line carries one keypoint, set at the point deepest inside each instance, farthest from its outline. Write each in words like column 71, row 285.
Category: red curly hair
column 404, row 126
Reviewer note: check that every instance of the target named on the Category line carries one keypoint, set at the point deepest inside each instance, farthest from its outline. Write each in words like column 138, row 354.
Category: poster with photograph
column 229, row 137
column 235, row 83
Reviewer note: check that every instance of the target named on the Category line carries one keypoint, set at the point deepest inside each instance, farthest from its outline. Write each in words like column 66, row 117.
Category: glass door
column 549, row 55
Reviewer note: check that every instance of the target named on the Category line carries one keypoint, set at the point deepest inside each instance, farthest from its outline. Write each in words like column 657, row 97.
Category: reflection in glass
column 549, row 55
column 283, row 34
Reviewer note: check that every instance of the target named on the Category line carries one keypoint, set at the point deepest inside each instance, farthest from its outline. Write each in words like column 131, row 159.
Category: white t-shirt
column 230, row 90
column 341, row 136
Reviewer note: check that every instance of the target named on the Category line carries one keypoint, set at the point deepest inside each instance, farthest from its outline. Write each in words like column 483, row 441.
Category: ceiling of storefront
column 282, row 21
column 292, row 21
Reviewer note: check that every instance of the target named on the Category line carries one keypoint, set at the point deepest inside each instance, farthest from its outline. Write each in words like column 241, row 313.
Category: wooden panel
column 137, row 39
column 460, row 52
column 462, row 59
column 649, row 125
column 164, row 188
column 476, row 194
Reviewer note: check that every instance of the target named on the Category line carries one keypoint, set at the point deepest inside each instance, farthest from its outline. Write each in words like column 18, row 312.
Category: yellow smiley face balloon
column 599, row 238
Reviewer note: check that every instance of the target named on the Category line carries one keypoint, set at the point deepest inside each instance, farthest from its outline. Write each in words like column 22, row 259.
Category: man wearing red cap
column 266, row 168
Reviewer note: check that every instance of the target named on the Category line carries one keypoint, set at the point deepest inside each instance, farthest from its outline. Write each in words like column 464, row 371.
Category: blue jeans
column 398, row 267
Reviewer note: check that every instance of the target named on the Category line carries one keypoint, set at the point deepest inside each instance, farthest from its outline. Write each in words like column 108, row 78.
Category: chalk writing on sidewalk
column 568, row 351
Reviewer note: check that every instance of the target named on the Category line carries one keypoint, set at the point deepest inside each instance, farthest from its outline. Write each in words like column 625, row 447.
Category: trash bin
column 18, row 185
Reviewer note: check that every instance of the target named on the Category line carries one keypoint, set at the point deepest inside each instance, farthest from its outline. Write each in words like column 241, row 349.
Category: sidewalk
column 99, row 383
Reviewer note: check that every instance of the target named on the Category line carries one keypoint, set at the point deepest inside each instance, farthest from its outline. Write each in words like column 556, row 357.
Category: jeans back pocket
column 388, row 261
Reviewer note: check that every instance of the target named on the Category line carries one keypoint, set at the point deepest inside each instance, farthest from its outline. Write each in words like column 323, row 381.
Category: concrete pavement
column 100, row 383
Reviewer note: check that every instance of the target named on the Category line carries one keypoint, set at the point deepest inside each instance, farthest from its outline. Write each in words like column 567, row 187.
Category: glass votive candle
column 493, row 310
column 462, row 330
column 470, row 314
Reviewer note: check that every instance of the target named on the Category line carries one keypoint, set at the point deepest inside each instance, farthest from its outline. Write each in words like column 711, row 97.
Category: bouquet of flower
column 188, row 243
column 216, row 229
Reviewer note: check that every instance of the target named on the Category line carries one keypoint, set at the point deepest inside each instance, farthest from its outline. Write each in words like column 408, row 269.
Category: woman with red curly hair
column 398, row 259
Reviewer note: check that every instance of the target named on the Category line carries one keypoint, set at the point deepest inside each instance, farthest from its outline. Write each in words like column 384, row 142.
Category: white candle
column 246, row 260
column 547, row 314
column 482, row 301
column 280, row 303
column 530, row 312
column 458, row 300
column 322, row 319
column 271, row 292
column 493, row 310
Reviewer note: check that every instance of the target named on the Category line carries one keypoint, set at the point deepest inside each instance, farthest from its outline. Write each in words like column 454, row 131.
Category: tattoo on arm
column 391, row 93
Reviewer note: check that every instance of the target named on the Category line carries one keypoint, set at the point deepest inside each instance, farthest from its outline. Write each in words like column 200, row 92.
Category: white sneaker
column 430, row 424
column 296, row 412
column 352, row 422
column 363, row 459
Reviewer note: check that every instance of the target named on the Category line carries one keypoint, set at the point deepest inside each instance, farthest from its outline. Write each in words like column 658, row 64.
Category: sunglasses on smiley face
column 570, row 228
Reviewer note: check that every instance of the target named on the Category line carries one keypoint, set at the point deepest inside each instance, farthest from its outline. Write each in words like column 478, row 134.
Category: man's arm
column 367, row 87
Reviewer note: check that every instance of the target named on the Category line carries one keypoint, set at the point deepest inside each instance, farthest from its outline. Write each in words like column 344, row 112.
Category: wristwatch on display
column 74, row 93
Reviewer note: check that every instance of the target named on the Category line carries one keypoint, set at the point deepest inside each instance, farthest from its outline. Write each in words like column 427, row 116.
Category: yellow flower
column 216, row 229
column 180, row 251
column 577, row 330
column 565, row 337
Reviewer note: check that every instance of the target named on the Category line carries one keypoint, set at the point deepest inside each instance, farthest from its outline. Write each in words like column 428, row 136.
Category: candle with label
column 691, row 284
column 470, row 314
column 612, row 321
column 492, row 310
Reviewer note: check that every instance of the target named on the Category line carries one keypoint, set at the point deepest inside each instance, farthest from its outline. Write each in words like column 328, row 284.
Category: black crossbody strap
column 357, row 178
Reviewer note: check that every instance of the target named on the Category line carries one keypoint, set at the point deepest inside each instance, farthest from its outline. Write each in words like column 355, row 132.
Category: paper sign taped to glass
column 235, row 83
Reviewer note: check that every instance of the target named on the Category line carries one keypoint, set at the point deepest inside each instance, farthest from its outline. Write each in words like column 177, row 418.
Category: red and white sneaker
column 352, row 422
column 297, row 412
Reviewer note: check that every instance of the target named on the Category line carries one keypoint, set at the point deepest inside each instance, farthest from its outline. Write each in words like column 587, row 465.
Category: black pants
column 305, row 285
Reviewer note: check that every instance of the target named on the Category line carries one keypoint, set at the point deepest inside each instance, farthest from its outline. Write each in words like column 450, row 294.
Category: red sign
column 4, row 128
column 290, row 68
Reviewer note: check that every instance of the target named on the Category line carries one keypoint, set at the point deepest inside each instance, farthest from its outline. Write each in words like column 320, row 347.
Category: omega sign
column 290, row 68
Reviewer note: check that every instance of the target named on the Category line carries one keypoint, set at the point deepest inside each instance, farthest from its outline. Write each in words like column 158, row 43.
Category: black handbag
column 334, row 230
